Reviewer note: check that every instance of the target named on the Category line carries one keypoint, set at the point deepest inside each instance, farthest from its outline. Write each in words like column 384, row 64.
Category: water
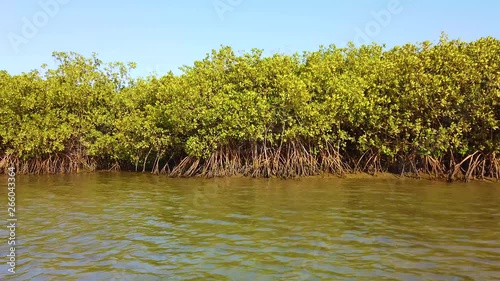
column 121, row 226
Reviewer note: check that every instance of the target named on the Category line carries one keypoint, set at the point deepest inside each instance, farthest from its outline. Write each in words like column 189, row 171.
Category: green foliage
column 417, row 99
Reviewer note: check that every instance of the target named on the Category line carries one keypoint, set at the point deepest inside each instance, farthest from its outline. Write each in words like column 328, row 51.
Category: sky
column 161, row 36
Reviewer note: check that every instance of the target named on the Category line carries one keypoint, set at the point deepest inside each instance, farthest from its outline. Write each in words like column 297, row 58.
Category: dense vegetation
column 416, row 109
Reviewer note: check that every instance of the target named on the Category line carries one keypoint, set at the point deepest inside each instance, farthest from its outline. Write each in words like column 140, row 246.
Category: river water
column 126, row 226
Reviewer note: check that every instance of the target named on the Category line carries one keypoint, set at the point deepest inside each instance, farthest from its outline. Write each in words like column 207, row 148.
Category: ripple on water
column 127, row 227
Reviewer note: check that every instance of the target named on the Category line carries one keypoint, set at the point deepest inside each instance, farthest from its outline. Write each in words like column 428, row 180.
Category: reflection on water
column 121, row 226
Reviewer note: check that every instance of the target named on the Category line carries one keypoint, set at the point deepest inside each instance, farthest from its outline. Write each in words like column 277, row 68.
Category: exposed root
column 53, row 164
column 188, row 167
column 262, row 160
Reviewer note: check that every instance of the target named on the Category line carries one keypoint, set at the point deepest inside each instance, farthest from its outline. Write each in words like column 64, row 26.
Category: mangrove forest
column 423, row 109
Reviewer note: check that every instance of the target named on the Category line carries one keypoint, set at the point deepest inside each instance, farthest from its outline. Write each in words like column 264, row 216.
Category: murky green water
column 142, row 227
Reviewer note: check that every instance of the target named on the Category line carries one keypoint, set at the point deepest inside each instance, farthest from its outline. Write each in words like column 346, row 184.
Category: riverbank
column 417, row 109
column 200, row 172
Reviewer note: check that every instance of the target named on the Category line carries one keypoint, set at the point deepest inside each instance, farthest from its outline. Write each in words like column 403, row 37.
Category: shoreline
column 324, row 175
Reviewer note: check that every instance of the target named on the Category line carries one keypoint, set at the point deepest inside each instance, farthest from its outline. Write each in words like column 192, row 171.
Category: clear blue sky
column 164, row 35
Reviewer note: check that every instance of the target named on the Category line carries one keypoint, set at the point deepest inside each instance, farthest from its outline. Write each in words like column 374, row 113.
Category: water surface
column 123, row 226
